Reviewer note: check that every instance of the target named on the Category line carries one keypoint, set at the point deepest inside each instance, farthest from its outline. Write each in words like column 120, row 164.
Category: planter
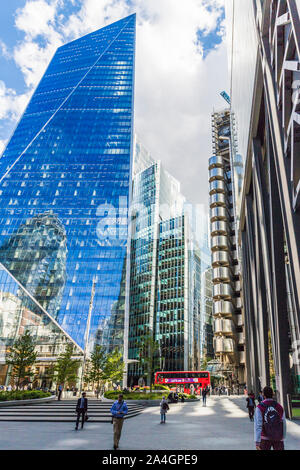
column 149, row 402
column 33, row 401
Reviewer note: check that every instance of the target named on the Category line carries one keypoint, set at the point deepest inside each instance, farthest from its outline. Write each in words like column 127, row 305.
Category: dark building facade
column 269, row 232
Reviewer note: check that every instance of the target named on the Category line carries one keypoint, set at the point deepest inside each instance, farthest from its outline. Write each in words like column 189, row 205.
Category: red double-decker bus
column 200, row 379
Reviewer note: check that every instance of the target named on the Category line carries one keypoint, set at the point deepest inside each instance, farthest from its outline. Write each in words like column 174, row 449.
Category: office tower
column 264, row 51
column 164, row 287
column 65, row 183
column 228, row 319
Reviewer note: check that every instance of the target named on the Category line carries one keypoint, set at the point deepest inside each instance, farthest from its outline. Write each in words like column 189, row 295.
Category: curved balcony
column 219, row 228
column 216, row 174
column 239, row 303
column 219, row 243
column 217, row 187
column 215, row 162
column 222, row 292
column 221, row 275
column 217, row 200
column 223, row 308
column 224, row 326
column 220, row 258
column 239, row 320
column 218, row 213
column 224, row 345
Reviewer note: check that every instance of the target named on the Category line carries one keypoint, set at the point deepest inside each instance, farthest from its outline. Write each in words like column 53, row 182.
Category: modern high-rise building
column 264, row 52
column 65, row 189
column 165, row 284
column 228, row 319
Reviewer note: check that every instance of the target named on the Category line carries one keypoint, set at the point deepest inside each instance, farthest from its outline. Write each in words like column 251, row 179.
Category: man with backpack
column 269, row 423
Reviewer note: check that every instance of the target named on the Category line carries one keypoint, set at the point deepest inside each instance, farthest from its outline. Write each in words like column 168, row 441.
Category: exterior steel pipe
column 224, row 326
column 219, row 228
column 221, row 274
column 218, row 213
column 219, row 243
column 224, row 345
column 220, row 258
column 215, row 162
column 217, row 200
column 216, row 174
column 217, row 187
column 223, row 308
column 222, row 291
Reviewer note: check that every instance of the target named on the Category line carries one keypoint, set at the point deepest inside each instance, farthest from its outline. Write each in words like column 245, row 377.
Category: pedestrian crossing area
column 64, row 411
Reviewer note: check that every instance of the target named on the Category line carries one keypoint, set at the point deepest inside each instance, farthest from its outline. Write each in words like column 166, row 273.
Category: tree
column 114, row 367
column 21, row 358
column 66, row 368
column 205, row 360
column 95, row 367
column 149, row 356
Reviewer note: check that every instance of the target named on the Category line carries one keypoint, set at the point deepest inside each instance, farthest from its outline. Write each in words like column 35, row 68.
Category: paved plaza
column 223, row 424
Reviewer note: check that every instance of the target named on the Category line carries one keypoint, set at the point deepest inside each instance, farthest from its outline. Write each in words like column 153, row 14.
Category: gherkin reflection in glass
column 36, row 255
column 69, row 163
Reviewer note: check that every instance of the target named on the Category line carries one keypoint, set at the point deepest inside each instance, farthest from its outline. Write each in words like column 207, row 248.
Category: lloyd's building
column 65, row 184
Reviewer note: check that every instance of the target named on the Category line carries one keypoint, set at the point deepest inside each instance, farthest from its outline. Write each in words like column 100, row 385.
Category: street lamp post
column 87, row 335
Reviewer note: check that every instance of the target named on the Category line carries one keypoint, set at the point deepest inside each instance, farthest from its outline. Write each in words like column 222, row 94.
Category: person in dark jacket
column 81, row 410
column 60, row 390
column 251, row 405
column 204, row 395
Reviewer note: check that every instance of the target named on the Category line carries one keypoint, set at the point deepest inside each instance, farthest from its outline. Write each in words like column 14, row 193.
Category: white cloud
column 11, row 104
column 2, row 145
column 37, row 19
column 176, row 88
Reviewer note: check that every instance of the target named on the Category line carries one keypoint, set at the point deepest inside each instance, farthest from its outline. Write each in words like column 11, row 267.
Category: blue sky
column 178, row 44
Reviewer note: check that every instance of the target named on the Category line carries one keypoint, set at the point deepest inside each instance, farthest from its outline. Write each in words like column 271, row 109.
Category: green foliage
column 149, row 356
column 104, row 367
column 23, row 395
column 205, row 361
column 66, row 369
column 21, row 358
column 161, row 387
column 95, row 367
column 114, row 367
column 113, row 395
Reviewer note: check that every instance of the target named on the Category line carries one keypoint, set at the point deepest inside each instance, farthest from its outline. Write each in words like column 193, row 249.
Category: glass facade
column 65, row 186
column 165, row 292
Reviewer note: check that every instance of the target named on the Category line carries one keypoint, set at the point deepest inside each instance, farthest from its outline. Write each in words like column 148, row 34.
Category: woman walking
column 164, row 407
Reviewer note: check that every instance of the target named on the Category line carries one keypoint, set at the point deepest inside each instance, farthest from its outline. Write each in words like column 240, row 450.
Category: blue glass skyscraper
column 65, row 182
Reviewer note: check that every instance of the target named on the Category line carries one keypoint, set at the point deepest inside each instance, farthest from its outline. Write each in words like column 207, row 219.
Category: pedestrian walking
column 118, row 410
column 269, row 423
column 164, row 407
column 251, row 405
column 60, row 390
column 260, row 397
column 81, row 410
column 204, row 395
